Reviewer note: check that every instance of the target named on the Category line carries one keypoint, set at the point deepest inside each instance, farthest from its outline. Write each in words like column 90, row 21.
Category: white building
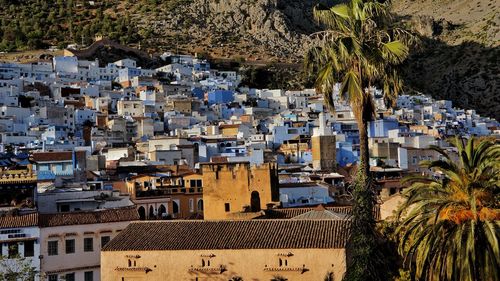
column 20, row 238
column 71, row 243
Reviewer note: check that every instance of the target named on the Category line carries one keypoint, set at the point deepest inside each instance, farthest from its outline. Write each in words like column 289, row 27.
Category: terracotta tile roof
column 52, row 156
column 250, row 234
column 288, row 213
column 89, row 217
column 11, row 221
column 320, row 213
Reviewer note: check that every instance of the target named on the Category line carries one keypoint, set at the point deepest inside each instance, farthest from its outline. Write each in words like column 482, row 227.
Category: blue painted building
column 58, row 166
column 380, row 128
column 345, row 154
column 220, row 96
column 198, row 93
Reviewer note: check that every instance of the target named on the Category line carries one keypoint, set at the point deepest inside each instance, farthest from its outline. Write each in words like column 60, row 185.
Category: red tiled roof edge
column 89, row 217
column 15, row 221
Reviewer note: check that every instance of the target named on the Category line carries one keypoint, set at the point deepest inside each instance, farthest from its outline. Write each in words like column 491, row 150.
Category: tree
column 16, row 268
column 360, row 48
column 450, row 226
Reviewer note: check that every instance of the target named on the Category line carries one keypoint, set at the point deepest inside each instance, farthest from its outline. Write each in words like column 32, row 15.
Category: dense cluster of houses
column 86, row 149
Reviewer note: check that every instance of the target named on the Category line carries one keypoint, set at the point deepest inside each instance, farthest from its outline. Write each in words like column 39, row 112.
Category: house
column 133, row 108
column 59, row 166
column 165, row 195
column 409, row 159
column 252, row 250
column 304, row 194
column 70, row 243
column 380, row 128
column 297, row 150
column 20, row 239
column 220, row 96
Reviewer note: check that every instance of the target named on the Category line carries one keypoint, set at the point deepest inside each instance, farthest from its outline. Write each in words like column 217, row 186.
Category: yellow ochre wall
column 250, row 264
column 234, row 183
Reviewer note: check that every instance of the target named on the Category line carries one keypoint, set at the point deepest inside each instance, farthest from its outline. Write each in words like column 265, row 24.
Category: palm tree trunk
column 364, row 153
column 363, row 147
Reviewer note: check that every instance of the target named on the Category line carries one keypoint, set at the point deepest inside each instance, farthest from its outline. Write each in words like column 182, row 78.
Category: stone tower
column 323, row 146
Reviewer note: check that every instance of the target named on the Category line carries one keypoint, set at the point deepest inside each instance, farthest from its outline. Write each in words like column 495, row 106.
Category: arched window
column 200, row 205
column 151, row 212
column 162, row 210
column 175, row 207
column 255, row 201
column 142, row 213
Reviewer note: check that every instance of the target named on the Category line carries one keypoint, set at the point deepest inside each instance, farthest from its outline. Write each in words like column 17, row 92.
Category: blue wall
column 380, row 128
column 220, row 96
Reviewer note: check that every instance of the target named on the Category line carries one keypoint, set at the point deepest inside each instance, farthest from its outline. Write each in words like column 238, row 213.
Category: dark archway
column 175, row 207
column 151, row 212
column 255, row 201
column 162, row 210
column 142, row 213
column 200, row 205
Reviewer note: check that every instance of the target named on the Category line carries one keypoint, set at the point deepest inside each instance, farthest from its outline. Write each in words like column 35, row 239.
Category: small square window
column 88, row 244
column 105, row 240
column 88, row 276
column 52, row 248
column 70, row 276
column 70, row 246
column 52, row 277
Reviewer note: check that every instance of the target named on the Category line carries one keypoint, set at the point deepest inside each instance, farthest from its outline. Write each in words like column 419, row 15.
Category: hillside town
column 115, row 172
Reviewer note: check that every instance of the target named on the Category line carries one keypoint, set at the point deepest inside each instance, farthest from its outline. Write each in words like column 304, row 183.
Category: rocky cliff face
column 256, row 29
column 459, row 58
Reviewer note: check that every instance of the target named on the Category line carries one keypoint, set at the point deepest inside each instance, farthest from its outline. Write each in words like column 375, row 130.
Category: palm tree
column 359, row 49
column 450, row 226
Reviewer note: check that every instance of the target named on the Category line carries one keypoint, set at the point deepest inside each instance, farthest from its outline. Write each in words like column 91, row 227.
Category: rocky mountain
column 459, row 58
column 254, row 30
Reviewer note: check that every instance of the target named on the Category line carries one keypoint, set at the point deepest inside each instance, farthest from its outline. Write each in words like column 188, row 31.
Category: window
column 29, row 248
column 88, row 244
column 104, row 240
column 88, row 276
column 64, row 208
column 52, row 277
column 52, row 248
column 70, row 276
column 13, row 250
column 70, row 246
column 227, row 207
